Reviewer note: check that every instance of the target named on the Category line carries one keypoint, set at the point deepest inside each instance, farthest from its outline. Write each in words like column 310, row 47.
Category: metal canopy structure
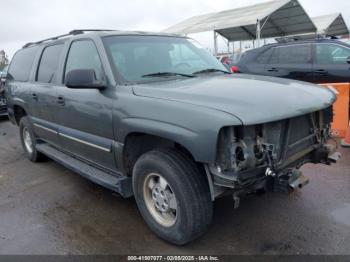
column 270, row 19
column 331, row 25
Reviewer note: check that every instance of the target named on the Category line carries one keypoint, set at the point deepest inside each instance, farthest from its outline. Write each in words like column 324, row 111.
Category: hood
column 252, row 99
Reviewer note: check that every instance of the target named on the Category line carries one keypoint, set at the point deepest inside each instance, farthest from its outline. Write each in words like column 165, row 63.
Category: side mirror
column 83, row 79
column 348, row 60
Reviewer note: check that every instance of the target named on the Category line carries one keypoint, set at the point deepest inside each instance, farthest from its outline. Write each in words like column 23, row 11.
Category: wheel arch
column 138, row 143
column 200, row 143
column 19, row 111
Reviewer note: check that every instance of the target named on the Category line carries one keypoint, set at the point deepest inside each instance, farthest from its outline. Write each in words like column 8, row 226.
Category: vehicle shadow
column 84, row 218
column 116, row 222
column 4, row 118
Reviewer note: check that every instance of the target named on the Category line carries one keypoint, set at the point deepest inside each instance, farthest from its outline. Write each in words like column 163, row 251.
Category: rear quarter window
column 21, row 64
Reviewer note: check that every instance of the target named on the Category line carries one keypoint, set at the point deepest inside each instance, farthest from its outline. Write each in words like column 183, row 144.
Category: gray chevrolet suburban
column 157, row 117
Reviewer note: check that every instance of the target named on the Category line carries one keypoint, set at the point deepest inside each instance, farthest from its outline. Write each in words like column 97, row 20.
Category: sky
column 33, row 20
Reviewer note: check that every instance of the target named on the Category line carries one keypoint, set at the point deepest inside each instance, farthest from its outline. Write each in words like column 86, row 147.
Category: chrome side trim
column 85, row 143
column 46, row 129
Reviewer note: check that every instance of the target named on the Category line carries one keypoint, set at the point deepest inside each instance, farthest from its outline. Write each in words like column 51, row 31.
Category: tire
column 194, row 207
column 25, row 127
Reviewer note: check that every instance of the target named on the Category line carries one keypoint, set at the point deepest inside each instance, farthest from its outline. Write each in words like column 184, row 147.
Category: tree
column 3, row 59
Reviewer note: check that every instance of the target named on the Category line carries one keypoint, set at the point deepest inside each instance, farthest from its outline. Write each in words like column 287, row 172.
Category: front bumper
column 282, row 178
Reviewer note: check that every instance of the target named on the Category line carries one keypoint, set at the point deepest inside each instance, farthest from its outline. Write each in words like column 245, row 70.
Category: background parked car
column 3, row 105
column 316, row 61
column 223, row 58
column 229, row 61
column 233, row 61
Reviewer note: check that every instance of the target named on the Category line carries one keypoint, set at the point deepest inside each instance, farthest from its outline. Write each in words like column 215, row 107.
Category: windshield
column 136, row 58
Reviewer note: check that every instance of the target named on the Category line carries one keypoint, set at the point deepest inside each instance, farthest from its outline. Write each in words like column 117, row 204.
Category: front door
column 85, row 115
column 331, row 63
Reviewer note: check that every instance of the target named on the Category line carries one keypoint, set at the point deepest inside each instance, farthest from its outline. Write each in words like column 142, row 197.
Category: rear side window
column 298, row 54
column 21, row 64
column 49, row 63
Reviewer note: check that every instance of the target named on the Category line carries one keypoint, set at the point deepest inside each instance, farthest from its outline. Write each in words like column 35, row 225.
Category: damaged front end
column 269, row 156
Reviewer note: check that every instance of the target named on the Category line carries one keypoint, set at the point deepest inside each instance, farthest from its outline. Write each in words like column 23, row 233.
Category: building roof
column 331, row 25
column 283, row 17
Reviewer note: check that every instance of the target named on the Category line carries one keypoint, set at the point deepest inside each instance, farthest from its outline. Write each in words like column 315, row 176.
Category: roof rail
column 73, row 32
column 45, row 40
column 82, row 31
column 289, row 39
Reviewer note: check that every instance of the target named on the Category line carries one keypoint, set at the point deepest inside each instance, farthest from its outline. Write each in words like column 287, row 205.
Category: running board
column 114, row 182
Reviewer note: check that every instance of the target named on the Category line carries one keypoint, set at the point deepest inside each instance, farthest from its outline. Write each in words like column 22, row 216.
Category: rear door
column 291, row 61
column 43, row 94
column 330, row 63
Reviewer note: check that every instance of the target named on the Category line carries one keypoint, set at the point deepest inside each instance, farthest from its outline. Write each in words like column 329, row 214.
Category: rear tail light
column 234, row 69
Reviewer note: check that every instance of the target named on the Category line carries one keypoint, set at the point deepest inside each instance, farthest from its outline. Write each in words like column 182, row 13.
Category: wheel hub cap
column 160, row 197
column 27, row 139
column 160, row 200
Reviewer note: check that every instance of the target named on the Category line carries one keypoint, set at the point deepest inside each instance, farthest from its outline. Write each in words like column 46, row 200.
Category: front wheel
column 172, row 195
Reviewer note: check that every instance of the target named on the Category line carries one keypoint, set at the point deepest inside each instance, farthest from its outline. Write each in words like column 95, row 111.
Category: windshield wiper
column 165, row 74
column 210, row 70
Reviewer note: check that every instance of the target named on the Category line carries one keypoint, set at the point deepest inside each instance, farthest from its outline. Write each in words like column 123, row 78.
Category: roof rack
column 71, row 33
column 289, row 39
column 82, row 31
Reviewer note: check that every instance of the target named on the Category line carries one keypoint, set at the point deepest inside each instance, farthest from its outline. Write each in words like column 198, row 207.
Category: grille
column 300, row 134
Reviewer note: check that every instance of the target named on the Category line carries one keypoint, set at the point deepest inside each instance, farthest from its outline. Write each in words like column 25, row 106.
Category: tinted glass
column 264, row 57
column 297, row 54
column 83, row 55
column 136, row 56
column 21, row 64
column 49, row 63
column 331, row 54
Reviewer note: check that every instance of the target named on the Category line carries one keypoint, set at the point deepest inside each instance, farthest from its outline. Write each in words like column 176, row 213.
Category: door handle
column 34, row 96
column 272, row 69
column 321, row 71
column 61, row 101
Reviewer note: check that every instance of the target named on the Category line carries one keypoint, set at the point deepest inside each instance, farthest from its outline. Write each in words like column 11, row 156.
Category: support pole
column 258, row 32
column 215, row 43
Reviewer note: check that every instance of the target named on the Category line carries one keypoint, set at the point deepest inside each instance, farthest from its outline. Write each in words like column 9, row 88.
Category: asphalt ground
column 47, row 209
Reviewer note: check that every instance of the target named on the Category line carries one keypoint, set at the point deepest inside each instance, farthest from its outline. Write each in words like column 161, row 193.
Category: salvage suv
column 157, row 117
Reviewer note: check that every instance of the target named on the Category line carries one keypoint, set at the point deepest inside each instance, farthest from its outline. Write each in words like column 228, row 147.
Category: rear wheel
column 28, row 140
column 172, row 195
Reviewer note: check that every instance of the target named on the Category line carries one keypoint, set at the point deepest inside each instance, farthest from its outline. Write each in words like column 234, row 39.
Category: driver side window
column 84, row 55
